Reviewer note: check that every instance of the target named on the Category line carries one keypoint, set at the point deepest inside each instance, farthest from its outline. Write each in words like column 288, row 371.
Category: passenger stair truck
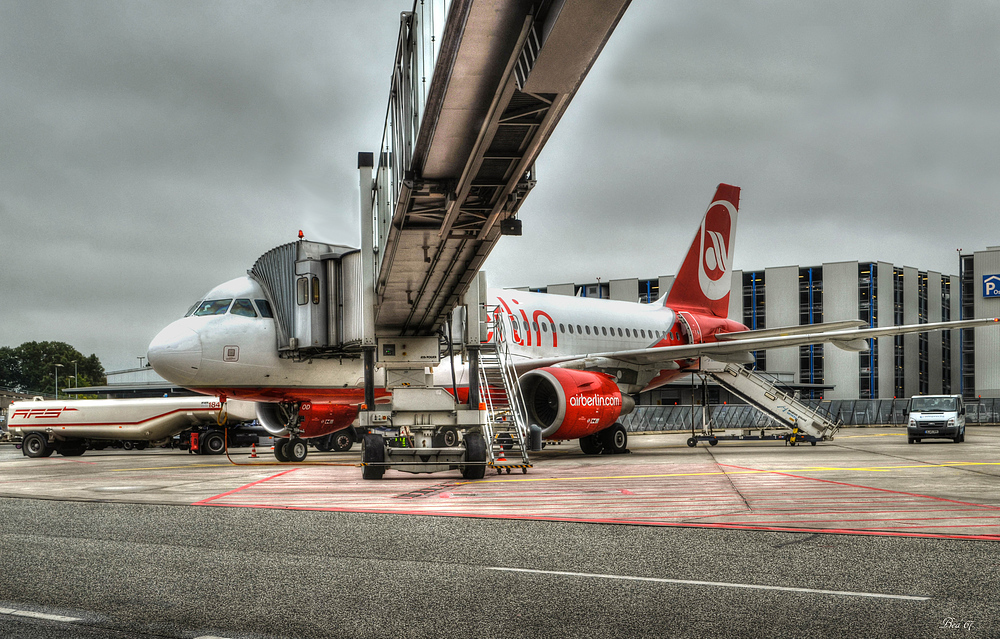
column 71, row 427
column 760, row 391
column 506, row 431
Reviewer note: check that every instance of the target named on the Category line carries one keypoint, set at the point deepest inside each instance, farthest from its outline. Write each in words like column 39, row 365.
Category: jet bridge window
column 213, row 307
column 244, row 308
column 302, row 291
column 264, row 308
column 315, row 289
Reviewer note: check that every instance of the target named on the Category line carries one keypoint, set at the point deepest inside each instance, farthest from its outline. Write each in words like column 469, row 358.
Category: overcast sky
column 152, row 149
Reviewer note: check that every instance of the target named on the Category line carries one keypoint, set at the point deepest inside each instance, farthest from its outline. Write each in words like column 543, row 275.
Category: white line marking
column 37, row 615
column 845, row 593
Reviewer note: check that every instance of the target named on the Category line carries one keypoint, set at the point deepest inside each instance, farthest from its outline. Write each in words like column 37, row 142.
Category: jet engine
column 569, row 404
column 316, row 419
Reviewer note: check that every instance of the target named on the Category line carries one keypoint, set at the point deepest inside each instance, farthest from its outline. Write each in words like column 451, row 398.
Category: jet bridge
column 477, row 88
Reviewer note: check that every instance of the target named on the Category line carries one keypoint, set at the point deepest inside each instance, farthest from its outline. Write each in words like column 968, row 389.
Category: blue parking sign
column 991, row 285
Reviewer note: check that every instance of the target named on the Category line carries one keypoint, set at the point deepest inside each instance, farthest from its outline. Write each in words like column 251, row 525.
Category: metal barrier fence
column 850, row 412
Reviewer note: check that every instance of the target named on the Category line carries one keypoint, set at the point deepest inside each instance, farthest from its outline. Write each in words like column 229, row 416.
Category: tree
column 30, row 367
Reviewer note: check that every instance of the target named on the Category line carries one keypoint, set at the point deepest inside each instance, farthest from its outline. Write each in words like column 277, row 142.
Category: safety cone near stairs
column 253, row 451
column 501, row 457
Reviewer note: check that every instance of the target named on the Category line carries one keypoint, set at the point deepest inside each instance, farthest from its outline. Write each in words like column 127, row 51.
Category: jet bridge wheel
column 36, row 445
column 373, row 452
column 475, row 451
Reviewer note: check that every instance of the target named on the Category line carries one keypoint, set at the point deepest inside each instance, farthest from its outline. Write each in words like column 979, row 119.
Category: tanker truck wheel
column 213, row 443
column 36, row 445
column 342, row 440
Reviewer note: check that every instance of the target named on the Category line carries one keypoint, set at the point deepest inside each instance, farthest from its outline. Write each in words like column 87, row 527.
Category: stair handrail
column 502, row 349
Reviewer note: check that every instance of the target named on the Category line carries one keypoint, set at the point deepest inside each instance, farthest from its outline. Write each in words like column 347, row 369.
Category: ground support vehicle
column 71, row 427
column 936, row 417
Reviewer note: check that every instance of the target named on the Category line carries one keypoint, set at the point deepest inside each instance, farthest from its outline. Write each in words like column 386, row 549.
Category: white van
column 936, row 416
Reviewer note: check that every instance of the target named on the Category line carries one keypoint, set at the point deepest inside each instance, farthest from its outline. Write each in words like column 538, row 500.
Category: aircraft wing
column 737, row 346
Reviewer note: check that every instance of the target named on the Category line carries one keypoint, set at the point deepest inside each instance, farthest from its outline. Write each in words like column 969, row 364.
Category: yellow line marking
column 812, row 469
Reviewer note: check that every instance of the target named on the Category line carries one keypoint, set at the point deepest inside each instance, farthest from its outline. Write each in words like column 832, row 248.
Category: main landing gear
column 613, row 440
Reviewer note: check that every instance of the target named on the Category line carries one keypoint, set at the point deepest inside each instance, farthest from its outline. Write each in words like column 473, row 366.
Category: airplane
column 578, row 360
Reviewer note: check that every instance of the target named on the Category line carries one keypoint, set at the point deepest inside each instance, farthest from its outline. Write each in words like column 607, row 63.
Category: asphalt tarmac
column 125, row 564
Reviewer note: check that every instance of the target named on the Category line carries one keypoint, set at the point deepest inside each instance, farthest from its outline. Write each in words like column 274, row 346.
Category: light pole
column 57, row 367
column 76, row 374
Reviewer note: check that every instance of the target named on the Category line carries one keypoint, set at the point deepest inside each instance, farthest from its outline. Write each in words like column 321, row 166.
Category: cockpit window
column 244, row 308
column 264, row 308
column 193, row 308
column 213, row 307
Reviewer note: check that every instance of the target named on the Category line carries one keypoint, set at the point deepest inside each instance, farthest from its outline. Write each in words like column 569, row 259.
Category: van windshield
column 925, row 404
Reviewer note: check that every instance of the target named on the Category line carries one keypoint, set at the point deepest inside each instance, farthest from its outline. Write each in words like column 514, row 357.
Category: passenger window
column 604, row 331
column 553, row 327
column 534, row 326
column 302, row 291
column 562, row 328
column 588, row 329
column 627, row 333
column 315, row 289
column 579, row 329
column 545, row 327
column 213, row 307
column 644, row 333
column 570, row 329
column 244, row 308
column 264, row 308
column 619, row 332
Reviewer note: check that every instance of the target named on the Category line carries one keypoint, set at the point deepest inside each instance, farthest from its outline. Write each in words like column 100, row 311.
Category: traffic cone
column 253, row 451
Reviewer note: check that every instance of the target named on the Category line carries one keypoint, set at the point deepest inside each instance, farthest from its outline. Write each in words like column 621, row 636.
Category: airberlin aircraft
column 579, row 360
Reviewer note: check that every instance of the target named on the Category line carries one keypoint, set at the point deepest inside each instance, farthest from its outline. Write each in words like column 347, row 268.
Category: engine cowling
column 569, row 404
column 317, row 419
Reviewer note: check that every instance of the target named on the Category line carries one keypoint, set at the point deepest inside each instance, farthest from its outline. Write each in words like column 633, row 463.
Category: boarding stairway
column 505, row 430
column 762, row 393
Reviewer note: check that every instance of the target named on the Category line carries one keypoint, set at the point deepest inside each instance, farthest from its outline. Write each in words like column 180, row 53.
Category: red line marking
column 884, row 490
column 204, row 502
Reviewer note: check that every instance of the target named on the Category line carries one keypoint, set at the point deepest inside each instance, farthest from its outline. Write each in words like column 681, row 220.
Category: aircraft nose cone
column 175, row 354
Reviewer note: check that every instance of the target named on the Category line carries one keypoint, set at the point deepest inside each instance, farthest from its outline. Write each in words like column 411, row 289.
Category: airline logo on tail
column 704, row 279
column 716, row 257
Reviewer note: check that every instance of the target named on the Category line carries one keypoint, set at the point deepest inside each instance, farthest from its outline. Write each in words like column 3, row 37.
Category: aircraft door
column 691, row 327
column 311, row 303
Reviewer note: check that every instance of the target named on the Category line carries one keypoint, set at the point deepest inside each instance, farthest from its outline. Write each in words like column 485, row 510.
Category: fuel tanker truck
column 71, row 427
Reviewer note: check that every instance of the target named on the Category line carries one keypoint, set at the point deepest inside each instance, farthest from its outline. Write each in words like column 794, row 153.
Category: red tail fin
column 703, row 282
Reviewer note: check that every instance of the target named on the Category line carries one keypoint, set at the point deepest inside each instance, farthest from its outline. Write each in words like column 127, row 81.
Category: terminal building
column 881, row 294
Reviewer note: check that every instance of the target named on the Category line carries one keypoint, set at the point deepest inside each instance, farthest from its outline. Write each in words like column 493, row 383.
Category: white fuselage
column 234, row 354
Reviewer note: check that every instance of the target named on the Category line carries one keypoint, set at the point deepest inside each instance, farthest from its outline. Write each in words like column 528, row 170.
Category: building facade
column 878, row 293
